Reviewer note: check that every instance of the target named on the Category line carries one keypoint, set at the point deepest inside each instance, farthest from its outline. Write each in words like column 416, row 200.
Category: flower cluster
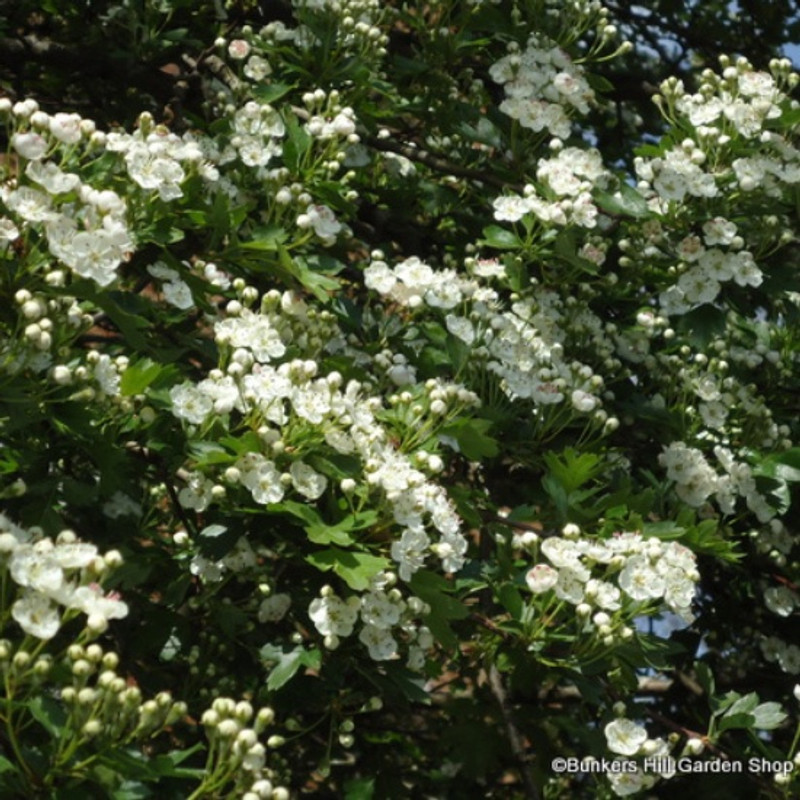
column 381, row 610
column 626, row 738
column 737, row 104
column 413, row 283
column 102, row 704
column 84, row 227
column 290, row 406
column 777, row 651
column 57, row 580
column 158, row 160
column 526, row 345
column 233, row 729
column 541, row 84
column 609, row 574
column 569, row 177
column 696, row 480
column 257, row 131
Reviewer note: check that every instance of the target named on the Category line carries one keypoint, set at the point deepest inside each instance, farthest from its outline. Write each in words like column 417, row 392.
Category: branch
column 438, row 163
column 514, row 738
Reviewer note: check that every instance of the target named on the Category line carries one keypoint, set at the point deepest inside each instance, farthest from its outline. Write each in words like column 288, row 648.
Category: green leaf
column 355, row 568
column 131, row 325
column 432, row 588
column 744, row 705
column 231, row 620
column 600, row 84
column 409, row 683
column 573, row 469
column 137, row 377
column 359, row 789
column 288, row 664
column 626, row 202
column 49, row 713
column 320, row 285
column 472, row 439
column 566, row 246
column 500, row 238
column 208, row 453
column 665, row 529
column 270, row 92
column 297, row 143
column 784, row 466
column 144, row 768
column 212, row 531
column 736, row 721
column 511, row 600
column 768, row 716
column 703, row 324
column 285, row 669
column 131, row 790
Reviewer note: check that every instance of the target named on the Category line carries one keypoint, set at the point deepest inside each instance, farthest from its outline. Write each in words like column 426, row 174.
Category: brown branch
column 153, row 458
column 484, row 622
column 645, row 686
column 514, row 738
column 438, row 163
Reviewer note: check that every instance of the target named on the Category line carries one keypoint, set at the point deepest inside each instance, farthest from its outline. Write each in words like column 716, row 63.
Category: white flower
column 306, row 481
column 561, row 552
column 461, row 328
column 29, row 145
column 34, row 566
column 257, row 68
column 570, row 585
column 74, row 555
column 719, row 231
column 381, row 611
column 639, row 580
column 31, row 204
column 36, row 615
column 8, row 231
column 238, row 49
column 489, row 268
column 450, row 549
column 541, row 578
column 324, row 222
column 120, row 505
column 415, row 274
column 604, row 594
column 333, row 616
column 189, row 403
column 629, row 783
column 409, row 552
column 789, row 659
column 197, row 495
column 97, row 606
column 274, row 608
column 379, row 641
column 207, row 571
column 66, row 127
column 52, row 178
column 241, row 557
column 625, row 737
column 177, row 293
column 510, row 208
column 264, row 482
column 583, row 401
column 379, row 277
column 780, row 600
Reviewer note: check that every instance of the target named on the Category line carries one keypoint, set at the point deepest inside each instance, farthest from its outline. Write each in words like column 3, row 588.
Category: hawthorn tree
column 374, row 423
